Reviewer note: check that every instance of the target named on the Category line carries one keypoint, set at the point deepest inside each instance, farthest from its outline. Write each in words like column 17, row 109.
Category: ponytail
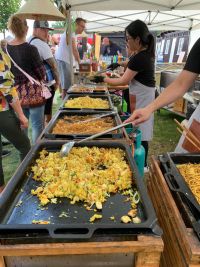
column 151, row 45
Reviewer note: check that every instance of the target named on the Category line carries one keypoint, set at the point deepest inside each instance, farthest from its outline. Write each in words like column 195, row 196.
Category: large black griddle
column 47, row 133
column 71, row 96
column 18, row 207
column 184, row 197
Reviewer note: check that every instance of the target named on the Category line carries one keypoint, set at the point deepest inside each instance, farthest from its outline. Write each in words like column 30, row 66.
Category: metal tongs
column 68, row 146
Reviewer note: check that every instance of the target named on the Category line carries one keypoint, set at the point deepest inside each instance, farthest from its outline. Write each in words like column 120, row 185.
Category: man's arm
column 175, row 90
column 52, row 62
column 75, row 51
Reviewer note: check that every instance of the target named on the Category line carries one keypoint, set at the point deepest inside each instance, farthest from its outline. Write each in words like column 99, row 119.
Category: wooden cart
column 146, row 249
column 181, row 246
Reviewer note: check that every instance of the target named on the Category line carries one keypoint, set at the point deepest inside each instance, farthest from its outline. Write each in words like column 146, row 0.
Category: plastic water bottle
column 139, row 154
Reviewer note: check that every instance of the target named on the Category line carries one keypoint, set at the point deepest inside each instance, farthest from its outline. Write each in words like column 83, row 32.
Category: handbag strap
column 29, row 77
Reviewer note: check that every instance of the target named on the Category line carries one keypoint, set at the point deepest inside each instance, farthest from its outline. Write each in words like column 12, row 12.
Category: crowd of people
column 22, row 60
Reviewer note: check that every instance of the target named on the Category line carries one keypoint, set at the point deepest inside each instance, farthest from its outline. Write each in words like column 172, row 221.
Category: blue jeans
column 36, row 116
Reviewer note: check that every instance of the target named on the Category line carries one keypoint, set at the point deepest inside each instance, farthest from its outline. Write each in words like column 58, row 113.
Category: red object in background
column 90, row 40
column 108, row 74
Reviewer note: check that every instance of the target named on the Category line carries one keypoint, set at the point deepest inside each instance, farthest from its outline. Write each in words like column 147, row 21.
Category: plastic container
column 139, row 152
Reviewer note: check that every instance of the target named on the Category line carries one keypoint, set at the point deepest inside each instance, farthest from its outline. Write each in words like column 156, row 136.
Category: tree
column 7, row 8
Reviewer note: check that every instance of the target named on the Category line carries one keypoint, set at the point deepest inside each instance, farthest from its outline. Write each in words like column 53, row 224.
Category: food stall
column 43, row 226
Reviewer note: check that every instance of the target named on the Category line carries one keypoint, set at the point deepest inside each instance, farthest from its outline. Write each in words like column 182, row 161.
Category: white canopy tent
column 115, row 15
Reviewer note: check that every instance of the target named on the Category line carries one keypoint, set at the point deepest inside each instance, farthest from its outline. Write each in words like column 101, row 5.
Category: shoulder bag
column 33, row 93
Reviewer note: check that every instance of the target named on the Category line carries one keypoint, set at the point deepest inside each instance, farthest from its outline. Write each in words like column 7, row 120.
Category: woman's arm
column 18, row 109
column 124, row 80
column 174, row 91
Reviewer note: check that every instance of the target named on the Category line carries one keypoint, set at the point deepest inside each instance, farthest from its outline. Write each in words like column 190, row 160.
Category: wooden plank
column 2, row 262
column 172, row 258
column 153, row 245
column 174, row 214
column 182, row 247
column 147, row 259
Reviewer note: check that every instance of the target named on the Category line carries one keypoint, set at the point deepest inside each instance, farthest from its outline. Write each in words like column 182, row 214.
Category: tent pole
column 70, row 45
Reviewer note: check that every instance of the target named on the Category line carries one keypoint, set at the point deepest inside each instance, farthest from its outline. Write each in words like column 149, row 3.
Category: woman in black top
column 175, row 90
column 28, row 58
column 139, row 74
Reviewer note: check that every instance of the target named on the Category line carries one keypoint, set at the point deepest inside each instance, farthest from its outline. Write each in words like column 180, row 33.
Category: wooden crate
column 180, row 105
column 84, row 67
column 146, row 249
column 181, row 246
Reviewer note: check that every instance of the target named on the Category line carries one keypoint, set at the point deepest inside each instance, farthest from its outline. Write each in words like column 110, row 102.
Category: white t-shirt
column 63, row 51
column 42, row 47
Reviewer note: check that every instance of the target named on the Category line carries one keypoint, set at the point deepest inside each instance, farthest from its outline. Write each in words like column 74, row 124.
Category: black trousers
column 10, row 129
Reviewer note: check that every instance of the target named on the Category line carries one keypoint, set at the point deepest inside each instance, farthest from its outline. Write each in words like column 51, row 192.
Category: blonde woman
column 28, row 59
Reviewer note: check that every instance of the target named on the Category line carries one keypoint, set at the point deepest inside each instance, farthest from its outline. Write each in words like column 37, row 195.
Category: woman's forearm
column 114, row 81
column 17, row 107
column 174, row 91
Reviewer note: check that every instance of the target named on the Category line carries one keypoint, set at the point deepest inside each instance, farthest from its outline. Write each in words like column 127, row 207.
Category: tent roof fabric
column 115, row 15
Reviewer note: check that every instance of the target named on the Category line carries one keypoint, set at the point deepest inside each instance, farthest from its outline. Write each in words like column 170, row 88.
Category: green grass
column 165, row 139
column 165, row 134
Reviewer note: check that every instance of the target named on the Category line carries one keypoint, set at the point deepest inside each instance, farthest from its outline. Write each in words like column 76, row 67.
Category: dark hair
column 139, row 29
column 78, row 20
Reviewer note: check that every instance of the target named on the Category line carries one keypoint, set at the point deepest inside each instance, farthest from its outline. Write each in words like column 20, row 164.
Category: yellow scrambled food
column 87, row 102
column 86, row 174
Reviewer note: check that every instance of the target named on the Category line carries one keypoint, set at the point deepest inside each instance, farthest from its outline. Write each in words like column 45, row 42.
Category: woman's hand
column 23, row 121
column 139, row 116
column 113, row 66
column 97, row 79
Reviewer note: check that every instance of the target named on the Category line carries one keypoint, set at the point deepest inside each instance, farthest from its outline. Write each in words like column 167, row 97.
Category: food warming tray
column 184, row 197
column 104, row 97
column 61, row 113
column 18, row 207
column 93, row 90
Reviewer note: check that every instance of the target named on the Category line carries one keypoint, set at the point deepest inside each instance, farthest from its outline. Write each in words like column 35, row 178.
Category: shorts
column 49, row 101
column 65, row 74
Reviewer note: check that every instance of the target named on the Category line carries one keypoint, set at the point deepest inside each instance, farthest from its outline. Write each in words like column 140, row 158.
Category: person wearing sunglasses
column 139, row 74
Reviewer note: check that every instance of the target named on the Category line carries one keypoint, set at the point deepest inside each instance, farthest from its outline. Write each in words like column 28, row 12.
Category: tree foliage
column 7, row 8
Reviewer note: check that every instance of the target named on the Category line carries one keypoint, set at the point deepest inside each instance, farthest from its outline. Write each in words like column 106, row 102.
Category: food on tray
column 76, row 125
column 191, row 174
column 86, row 174
column 95, row 217
column 81, row 88
column 100, row 88
column 125, row 219
column 87, row 102
column 87, row 88
column 40, row 222
column 136, row 220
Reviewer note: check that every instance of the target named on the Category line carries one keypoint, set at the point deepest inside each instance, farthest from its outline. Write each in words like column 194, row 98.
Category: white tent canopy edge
column 115, row 15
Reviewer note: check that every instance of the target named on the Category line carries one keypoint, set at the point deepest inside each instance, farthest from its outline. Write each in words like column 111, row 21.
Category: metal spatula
column 68, row 146
column 97, row 117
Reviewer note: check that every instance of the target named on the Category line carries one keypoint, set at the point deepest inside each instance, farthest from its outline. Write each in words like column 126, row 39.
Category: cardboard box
column 84, row 67
column 180, row 105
